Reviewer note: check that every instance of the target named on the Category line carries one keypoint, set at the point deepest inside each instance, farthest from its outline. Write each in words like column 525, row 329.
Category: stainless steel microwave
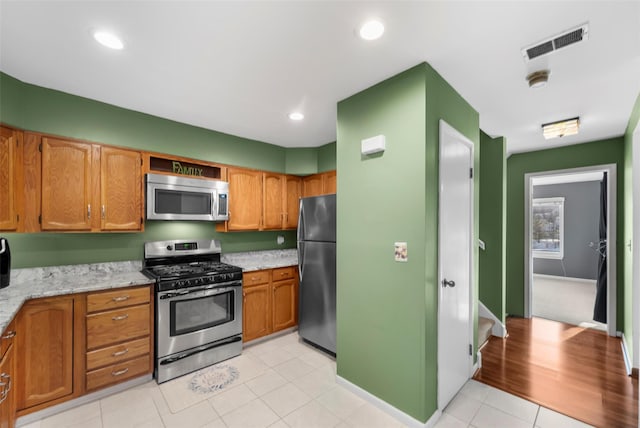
column 171, row 197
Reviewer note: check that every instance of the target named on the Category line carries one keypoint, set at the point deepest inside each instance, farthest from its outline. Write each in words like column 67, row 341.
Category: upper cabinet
column 280, row 201
column 245, row 199
column 10, row 170
column 293, row 192
column 89, row 187
column 319, row 184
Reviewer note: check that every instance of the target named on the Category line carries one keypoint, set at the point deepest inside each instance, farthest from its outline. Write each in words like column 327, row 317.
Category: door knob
column 449, row 283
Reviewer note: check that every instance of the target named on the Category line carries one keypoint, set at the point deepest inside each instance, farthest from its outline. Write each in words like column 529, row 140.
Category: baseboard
column 564, row 278
column 498, row 329
column 397, row 414
column 625, row 353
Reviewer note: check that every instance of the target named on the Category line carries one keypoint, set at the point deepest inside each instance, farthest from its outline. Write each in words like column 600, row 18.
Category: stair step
column 484, row 329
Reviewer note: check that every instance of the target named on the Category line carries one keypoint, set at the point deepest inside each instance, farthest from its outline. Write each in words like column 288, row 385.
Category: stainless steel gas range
column 198, row 305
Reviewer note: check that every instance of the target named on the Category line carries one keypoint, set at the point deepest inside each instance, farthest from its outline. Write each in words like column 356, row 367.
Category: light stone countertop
column 52, row 281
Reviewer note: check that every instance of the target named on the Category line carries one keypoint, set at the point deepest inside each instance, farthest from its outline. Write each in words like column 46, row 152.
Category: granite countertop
column 60, row 280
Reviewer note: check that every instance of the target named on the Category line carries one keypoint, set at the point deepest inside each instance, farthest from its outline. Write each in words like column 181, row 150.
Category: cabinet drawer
column 111, row 327
column 117, row 299
column 254, row 278
column 117, row 373
column 284, row 273
column 117, row 353
column 7, row 338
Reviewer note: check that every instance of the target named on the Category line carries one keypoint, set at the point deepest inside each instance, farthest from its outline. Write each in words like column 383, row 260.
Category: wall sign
column 183, row 168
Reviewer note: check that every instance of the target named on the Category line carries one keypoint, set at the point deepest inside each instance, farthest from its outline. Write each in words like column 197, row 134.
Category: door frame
column 447, row 130
column 610, row 169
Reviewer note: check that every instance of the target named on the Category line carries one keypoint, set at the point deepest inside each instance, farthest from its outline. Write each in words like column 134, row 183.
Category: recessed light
column 108, row 39
column 296, row 116
column 561, row 128
column 371, row 30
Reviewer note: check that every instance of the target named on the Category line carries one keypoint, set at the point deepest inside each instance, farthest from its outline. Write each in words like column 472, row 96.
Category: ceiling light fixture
column 560, row 128
column 108, row 39
column 296, row 116
column 538, row 79
column 371, row 30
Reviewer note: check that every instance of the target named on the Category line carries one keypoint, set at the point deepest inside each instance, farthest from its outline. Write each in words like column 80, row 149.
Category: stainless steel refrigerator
column 317, row 268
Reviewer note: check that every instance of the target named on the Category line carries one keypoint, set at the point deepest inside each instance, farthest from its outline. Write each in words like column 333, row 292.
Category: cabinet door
column 8, row 191
column 256, row 316
column 329, row 182
column 66, row 185
column 272, row 200
column 312, row 185
column 293, row 192
column 45, row 351
column 7, row 390
column 120, row 181
column 284, row 304
column 245, row 199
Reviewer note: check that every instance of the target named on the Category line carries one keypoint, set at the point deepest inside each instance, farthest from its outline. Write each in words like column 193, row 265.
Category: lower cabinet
column 270, row 301
column 7, row 378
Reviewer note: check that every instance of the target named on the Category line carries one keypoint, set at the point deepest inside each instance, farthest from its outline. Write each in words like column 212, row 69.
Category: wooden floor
column 576, row 371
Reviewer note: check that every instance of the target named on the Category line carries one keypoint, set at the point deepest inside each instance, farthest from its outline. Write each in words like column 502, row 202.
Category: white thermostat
column 373, row 145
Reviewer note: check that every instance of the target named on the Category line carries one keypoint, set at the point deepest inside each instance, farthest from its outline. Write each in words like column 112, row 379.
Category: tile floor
column 284, row 383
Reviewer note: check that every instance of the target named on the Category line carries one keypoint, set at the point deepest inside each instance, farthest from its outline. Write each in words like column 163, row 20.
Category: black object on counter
column 5, row 263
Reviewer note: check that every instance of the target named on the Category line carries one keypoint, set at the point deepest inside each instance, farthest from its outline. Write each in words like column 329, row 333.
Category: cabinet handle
column 6, row 386
column 119, row 373
column 9, row 335
column 119, row 353
column 120, row 317
column 89, row 211
column 103, row 210
column 120, row 298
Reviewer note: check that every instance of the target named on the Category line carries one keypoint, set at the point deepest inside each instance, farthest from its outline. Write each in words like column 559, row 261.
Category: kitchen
column 392, row 328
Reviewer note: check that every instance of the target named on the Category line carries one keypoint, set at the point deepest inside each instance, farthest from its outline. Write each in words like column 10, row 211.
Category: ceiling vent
column 556, row 42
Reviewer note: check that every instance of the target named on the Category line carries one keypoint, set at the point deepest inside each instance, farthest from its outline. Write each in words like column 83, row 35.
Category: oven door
column 192, row 317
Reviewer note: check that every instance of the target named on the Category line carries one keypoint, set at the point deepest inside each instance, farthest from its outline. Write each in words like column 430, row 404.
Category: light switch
column 400, row 251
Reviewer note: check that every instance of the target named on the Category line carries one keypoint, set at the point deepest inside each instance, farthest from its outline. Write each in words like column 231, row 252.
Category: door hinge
column 18, row 218
column 470, row 172
column 40, row 147
column 470, row 349
column 40, row 219
column 141, row 163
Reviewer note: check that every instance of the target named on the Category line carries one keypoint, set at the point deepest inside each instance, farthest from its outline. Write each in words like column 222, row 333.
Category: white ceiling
column 241, row 67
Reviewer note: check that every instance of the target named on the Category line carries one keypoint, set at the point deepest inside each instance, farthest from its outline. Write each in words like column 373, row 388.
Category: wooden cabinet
column 245, row 199
column 273, row 200
column 119, row 336
column 10, row 171
column 270, row 301
column 121, row 189
column 45, row 335
column 293, row 186
column 319, row 184
column 7, row 377
column 89, row 187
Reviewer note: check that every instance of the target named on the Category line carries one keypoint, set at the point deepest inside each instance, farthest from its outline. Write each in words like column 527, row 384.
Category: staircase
column 484, row 330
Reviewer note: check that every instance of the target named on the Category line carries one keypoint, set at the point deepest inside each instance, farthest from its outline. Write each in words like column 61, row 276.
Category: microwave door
column 172, row 202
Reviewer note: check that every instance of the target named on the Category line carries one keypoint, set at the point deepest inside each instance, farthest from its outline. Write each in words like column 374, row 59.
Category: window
column 547, row 228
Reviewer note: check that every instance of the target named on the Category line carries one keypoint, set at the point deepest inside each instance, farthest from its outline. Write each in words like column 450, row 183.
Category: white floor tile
column 218, row 423
column 255, row 414
column 448, row 421
column 231, row 399
column 317, row 382
column 549, row 419
column 368, row 416
column 311, row 415
column 340, row 402
column 151, row 423
column 73, row 416
column 95, row 422
column 266, row 382
column 128, row 409
column 293, row 369
column 285, row 399
column 512, row 405
column 490, row 417
column 463, row 407
column 279, row 424
column 35, row 424
column 275, row 357
column 315, row 358
column 475, row 389
column 194, row 416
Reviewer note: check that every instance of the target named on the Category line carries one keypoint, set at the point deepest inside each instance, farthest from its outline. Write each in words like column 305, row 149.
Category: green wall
column 493, row 207
column 602, row 152
column 44, row 110
column 387, row 311
column 327, row 157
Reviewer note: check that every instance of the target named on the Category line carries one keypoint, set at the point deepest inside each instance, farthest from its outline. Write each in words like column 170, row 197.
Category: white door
column 454, row 263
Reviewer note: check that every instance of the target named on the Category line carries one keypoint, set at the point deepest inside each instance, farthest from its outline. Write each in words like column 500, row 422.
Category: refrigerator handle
column 301, row 222
column 300, row 259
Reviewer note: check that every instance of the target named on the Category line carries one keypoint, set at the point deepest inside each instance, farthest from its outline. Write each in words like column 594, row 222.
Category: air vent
column 556, row 42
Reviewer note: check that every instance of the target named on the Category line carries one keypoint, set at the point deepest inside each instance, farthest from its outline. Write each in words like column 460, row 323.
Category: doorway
column 570, row 246
column 455, row 263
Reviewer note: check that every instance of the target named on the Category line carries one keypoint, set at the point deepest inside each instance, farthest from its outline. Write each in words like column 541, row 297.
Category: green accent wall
column 302, row 161
column 387, row 311
column 327, row 157
column 38, row 109
column 493, row 216
column 610, row 151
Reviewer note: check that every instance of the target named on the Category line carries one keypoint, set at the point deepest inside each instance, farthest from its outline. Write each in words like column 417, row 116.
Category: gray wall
column 581, row 220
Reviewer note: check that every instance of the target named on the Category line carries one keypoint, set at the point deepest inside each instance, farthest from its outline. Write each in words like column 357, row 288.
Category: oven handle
column 199, row 350
column 200, row 292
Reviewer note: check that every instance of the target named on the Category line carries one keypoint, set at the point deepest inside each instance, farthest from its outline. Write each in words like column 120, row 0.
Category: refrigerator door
column 317, row 220
column 317, row 319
